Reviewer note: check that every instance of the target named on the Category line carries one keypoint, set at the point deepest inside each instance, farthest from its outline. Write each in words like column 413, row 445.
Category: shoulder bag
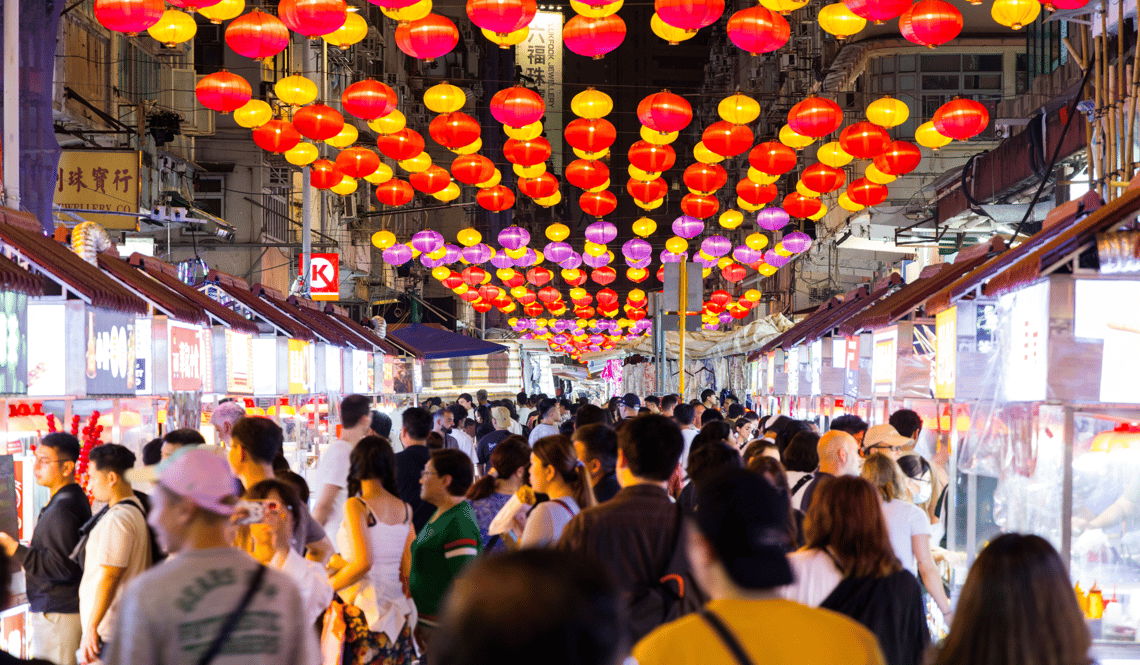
column 726, row 636
column 233, row 619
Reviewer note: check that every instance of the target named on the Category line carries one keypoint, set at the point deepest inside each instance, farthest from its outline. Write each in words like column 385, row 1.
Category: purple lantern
column 572, row 262
column 597, row 261
column 643, row 263
column 747, row 255
column 688, row 227
column 501, row 260
column 637, row 249
column 514, row 238
column 670, row 257
column 597, row 339
column 711, row 326
column 707, row 263
column 775, row 260
column 557, row 251
column 796, row 242
column 716, row 246
column 601, row 232
column 398, row 254
column 527, row 260
column 724, row 317
column 427, row 241
column 431, row 263
column 560, row 339
column 528, row 336
column 772, row 219
column 476, row 254
column 451, row 254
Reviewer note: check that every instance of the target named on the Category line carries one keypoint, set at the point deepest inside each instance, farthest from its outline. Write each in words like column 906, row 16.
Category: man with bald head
column 838, row 456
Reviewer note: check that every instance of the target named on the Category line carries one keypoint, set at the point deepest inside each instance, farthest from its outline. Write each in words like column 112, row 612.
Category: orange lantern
column 495, row 199
column 323, row 174
column 401, row 145
column 428, row 38
column 772, row 157
column 931, row 23
column 357, row 162
column 276, row 136
column 517, row 106
column 598, row 204
column 586, row 173
column 590, row 135
column 538, row 187
column 705, row 177
column 823, row 178
column 961, row 118
column 864, row 139
column 652, row 158
column 454, row 130
column 432, row 180
column 699, row 206
column 866, row 193
column 395, row 192
column 646, row 191
column 898, row 158
column 318, row 121
column 754, row 193
column 223, row 91
column 815, row 117
column 798, row 205
column 527, row 153
column 727, row 139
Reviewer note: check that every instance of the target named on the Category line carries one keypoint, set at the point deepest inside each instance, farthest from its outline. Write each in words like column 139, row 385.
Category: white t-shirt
column 688, row 434
column 119, row 539
column 312, row 582
column 904, row 519
column 794, row 478
column 542, row 430
column 333, row 470
column 464, row 442
column 515, row 427
column 816, row 577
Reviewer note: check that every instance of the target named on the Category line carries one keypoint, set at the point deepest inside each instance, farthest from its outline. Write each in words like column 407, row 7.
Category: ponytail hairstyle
column 544, row 407
column 558, row 451
column 512, row 454
column 372, row 459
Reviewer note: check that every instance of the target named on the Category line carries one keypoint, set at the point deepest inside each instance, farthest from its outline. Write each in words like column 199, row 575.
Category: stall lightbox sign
column 47, row 360
column 946, row 354
column 884, row 361
column 13, row 343
column 771, row 371
column 388, row 378
column 186, row 356
column 265, row 358
column 1100, row 316
column 110, row 352
column 239, row 363
column 300, row 377
column 363, row 375
column 1027, row 343
column 144, row 352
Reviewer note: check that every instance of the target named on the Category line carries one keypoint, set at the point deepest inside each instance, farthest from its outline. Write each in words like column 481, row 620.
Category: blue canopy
column 432, row 343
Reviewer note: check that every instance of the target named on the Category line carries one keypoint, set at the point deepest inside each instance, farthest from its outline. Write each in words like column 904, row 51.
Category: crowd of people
column 526, row 530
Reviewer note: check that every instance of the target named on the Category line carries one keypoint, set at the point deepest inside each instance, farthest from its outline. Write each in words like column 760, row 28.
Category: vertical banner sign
column 539, row 57
column 106, row 181
column 946, row 355
column 110, row 353
column 884, row 361
column 185, row 357
column 239, row 363
column 299, row 380
column 324, row 282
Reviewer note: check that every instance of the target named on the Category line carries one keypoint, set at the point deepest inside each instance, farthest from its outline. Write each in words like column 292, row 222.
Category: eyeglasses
column 428, row 472
column 43, row 461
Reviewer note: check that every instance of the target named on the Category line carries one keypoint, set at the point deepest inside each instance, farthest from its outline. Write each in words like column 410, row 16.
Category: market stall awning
column 433, row 342
column 238, row 289
column 167, row 275
column 24, row 235
column 15, row 278
column 163, row 299
column 316, row 322
column 382, row 345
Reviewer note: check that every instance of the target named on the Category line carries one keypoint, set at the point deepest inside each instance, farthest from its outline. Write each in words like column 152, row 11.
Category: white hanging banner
column 539, row 57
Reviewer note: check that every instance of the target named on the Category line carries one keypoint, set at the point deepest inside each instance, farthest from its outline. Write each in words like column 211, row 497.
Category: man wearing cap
column 886, row 439
column 178, row 612
column 630, row 403
column 736, row 553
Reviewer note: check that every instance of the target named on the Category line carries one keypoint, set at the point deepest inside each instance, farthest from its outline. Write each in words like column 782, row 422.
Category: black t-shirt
column 809, row 491
column 606, row 488
column 410, row 463
column 488, row 443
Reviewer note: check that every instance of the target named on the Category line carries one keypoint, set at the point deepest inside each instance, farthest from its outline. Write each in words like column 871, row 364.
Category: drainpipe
column 11, row 159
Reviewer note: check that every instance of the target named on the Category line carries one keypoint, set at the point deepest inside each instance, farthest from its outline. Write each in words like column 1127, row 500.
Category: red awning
column 15, row 278
column 163, row 299
column 167, row 275
column 239, row 290
column 317, row 322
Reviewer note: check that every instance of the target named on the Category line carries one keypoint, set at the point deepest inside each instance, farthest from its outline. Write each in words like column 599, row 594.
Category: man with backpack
column 636, row 535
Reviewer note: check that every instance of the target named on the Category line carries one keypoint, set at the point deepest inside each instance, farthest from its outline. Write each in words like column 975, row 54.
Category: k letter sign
column 325, row 277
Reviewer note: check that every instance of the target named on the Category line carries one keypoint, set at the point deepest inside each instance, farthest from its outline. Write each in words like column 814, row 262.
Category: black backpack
column 672, row 596
column 157, row 555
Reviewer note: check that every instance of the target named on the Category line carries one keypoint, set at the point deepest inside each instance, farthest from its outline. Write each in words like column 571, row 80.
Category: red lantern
column 584, row 301
column 701, row 207
column 501, row 16
column 586, row 173
column 454, row 130
column 705, row 177
column 598, row 204
column 533, row 309
column 823, row 178
column 727, row 139
column 574, row 277
column 773, row 158
column 590, row 135
column 584, row 312
column 607, row 298
column 1065, row 4
column 549, row 295
column 593, row 37
column 471, row 295
column 647, row 191
column 318, row 122
column 539, row 187
column 815, row 117
column 128, row 16
column 689, row 15
column 898, row 158
column 604, row 275
column 316, row 18
column 401, row 145
column 432, row 180
column 931, row 23
column 720, row 298
column 961, row 119
column 665, row 112
column 368, row 99
column 395, row 192
column 287, row 12
column 324, row 174
column 488, row 292
column 527, row 298
column 758, row 30
column 636, row 314
column 652, row 158
column 453, row 280
column 515, row 280
column 428, row 38
column 223, row 91
column 257, row 35
column 495, row 199
column 734, row 272
column 482, row 306
column 517, row 106
column 877, row 10
column 798, row 205
column 474, row 275
column 276, row 136
column 866, row 193
column 527, row 153
column 357, row 162
column 864, row 139
column 472, row 169
column 754, row 193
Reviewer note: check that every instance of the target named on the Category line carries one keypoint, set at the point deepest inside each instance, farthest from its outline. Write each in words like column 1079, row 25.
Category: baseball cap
column 744, row 518
column 885, row 436
column 196, row 474
column 631, row 401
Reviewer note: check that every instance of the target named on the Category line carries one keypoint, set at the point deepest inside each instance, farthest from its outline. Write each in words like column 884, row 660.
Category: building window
column 925, row 82
column 210, row 194
column 209, row 48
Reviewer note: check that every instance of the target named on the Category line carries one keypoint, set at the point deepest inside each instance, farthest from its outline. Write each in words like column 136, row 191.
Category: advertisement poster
column 401, row 376
column 363, row 376
column 1027, row 344
column 46, row 363
column 299, row 378
column 265, row 358
column 13, row 343
column 110, row 352
column 1099, row 316
column 946, row 355
column 816, row 366
column 239, row 363
column 418, row 375
column 792, row 358
column 388, row 378
column 185, row 357
column 539, row 60
column 884, row 361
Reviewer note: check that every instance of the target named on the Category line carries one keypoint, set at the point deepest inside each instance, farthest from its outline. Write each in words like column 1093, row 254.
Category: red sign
column 185, row 358
column 852, row 360
column 324, row 282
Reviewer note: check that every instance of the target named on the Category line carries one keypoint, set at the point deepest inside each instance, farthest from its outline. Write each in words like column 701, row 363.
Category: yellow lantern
column 591, row 11
column 650, row 205
column 223, row 11
column 752, row 295
column 438, row 253
column 600, row 188
column 730, row 219
column 746, row 206
column 594, row 156
column 389, row 124
column 346, row 137
column 381, row 175
column 780, row 250
column 441, row 272
column 345, row 187
column 738, row 109
column 524, row 133
column 470, row 149
column 516, row 253
column 888, row 112
column 657, row 138
column 295, row 90
column 444, row 98
column 760, row 178
column 756, row 241
column 836, row 19
column 509, row 308
column 417, row 164
column 677, row 244
column 302, row 154
column 783, row 6
column 410, row 13
column 495, row 179
column 706, row 156
column 804, row 190
column 461, row 289
column 577, row 293
column 1015, row 13
column 819, row 215
column 255, row 113
column 468, row 237
column 505, row 273
column 832, row 154
column 557, row 232
column 794, row 140
column 529, row 171
column 352, row 31
column 643, row 176
column 173, row 28
column 766, row 269
column 706, row 272
column 595, row 249
column 928, row 136
column 878, row 177
column 383, row 239
column 552, row 200
column 847, row 204
column 449, row 193
column 667, row 32
column 591, row 104
column 724, row 262
column 508, row 40
column 518, row 291
column 644, row 227
column 487, row 277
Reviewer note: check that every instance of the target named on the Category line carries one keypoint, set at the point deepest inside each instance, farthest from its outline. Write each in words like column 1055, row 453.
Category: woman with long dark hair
column 509, row 462
column 546, row 420
column 556, row 471
column 774, row 473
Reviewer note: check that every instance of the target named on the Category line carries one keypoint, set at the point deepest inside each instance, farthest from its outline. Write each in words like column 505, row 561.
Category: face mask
column 923, row 493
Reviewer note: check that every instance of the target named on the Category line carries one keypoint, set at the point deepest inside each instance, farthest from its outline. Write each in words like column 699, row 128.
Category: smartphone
column 249, row 512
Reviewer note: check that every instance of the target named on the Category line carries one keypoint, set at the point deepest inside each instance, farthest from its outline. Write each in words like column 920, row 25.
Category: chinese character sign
column 100, row 180
column 539, row 58
column 185, row 357
column 946, row 356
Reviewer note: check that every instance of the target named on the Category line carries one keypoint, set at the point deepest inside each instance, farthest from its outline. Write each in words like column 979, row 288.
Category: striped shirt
column 441, row 550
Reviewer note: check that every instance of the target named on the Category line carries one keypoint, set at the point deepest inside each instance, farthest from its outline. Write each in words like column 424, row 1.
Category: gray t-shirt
column 171, row 614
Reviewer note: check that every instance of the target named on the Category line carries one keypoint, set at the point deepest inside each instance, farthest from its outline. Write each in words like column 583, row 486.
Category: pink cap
column 201, row 476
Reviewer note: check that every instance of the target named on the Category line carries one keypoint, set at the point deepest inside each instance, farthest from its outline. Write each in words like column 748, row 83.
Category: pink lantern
column 772, row 219
column 688, row 227
column 601, row 232
column 796, row 242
